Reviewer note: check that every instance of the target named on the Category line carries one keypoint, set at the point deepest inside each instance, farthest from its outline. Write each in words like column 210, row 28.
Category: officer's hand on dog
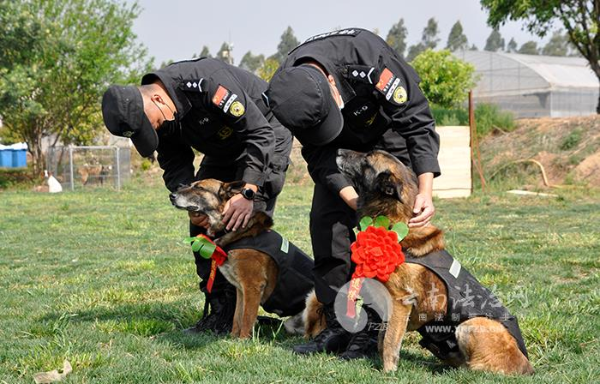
column 424, row 211
column 199, row 219
column 237, row 212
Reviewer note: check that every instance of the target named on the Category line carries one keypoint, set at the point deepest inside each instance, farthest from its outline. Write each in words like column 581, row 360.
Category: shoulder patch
column 389, row 86
column 194, row 85
column 228, row 102
column 237, row 109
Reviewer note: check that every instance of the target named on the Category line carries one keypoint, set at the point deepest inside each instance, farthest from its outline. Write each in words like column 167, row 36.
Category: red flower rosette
column 376, row 253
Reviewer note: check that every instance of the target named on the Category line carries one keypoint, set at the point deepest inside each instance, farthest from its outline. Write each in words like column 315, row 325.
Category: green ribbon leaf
column 196, row 245
column 365, row 222
column 401, row 229
column 207, row 250
column 201, row 245
column 382, row 221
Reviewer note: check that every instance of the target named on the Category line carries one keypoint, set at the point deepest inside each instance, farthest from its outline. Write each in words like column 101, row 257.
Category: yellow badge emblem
column 400, row 95
column 237, row 109
column 224, row 132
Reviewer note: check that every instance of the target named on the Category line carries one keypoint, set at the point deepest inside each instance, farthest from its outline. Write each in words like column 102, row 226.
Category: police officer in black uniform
column 218, row 110
column 349, row 89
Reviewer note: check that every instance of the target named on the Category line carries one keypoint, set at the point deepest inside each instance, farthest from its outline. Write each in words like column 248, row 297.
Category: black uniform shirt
column 380, row 92
column 221, row 113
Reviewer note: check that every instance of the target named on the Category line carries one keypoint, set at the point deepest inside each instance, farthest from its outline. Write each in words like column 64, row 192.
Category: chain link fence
column 90, row 166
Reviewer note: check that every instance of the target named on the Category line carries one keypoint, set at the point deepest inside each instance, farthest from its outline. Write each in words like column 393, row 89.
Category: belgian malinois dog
column 488, row 342
column 255, row 274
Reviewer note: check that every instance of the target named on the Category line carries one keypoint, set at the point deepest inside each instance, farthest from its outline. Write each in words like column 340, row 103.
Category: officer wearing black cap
column 349, row 89
column 218, row 110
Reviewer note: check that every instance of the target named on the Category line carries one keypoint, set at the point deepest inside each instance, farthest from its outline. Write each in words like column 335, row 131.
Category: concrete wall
column 455, row 163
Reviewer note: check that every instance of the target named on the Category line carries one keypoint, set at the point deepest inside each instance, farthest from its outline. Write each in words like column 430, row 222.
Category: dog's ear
column 389, row 185
column 228, row 190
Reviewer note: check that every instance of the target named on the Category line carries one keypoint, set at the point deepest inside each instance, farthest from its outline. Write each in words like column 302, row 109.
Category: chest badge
column 224, row 132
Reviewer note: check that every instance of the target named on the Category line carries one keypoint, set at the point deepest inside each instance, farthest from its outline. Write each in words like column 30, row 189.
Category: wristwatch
column 248, row 193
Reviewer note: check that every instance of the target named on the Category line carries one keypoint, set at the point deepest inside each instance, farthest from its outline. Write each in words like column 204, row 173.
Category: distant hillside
column 567, row 148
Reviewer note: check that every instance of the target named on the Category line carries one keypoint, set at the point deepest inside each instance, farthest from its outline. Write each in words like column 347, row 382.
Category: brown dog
column 387, row 187
column 258, row 278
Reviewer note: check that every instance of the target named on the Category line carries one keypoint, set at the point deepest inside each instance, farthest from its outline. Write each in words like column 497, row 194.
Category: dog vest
column 466, row 299
column 294, row 278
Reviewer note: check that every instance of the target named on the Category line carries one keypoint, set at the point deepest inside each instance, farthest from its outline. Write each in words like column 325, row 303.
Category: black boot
column 220, row 319
column 364, row 343
column 334, row 338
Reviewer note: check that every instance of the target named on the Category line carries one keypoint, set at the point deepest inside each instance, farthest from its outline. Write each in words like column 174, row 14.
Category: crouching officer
column 349, row 89
column 216, row 109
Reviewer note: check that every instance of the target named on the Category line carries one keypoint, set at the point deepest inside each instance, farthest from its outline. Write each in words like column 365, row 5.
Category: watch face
column 248, row 193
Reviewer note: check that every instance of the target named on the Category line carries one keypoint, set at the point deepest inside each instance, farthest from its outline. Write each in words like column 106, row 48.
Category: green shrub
column 572, row 140
column 449, row 117
column 146, row 164
column 445, row 79
column 487, row 117
column 490, row 116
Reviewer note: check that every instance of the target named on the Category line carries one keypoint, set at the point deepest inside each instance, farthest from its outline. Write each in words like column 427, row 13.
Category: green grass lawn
column 102, row 278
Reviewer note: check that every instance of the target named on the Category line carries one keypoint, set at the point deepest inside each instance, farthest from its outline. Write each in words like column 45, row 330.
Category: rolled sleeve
column 323, row 168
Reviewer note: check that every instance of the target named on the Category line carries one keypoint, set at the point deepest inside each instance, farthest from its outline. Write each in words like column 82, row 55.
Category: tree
column 557, row 46
column 268, row 69
column 205, row 52
column 224, row 53
column 429, row 40
column 396, row 37
column 494, row 42
column 287, row 43
column 430, row 37
column 457, row 40
column 445, row 79
column 252, row 63
column 511, row 47
column 414, row 51
column 56, row 59
column 529, row 48
column 580, row 18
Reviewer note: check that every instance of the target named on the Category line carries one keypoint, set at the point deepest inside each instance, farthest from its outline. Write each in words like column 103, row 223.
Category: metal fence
column 90, row 166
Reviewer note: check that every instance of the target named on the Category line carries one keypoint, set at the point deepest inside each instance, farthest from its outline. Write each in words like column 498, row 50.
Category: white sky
column 176, row 29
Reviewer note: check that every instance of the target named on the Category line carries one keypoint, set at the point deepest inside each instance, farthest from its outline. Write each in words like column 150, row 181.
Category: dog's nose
column 172, row 196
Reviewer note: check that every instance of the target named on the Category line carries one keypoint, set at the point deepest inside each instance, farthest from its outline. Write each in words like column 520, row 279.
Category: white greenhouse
column 534, row 86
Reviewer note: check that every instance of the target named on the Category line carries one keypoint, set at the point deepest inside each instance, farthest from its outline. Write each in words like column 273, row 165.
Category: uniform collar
column 345, row 89
column 181, row 102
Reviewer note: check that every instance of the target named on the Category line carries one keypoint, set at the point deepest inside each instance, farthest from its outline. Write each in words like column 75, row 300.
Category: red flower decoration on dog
column 376, row 253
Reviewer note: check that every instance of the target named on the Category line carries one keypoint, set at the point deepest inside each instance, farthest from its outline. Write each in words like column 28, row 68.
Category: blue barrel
column 6, row 158
column 19, row 158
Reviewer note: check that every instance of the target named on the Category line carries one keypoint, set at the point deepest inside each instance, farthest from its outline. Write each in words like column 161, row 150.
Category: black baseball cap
column 301, row 100
column 123, row 113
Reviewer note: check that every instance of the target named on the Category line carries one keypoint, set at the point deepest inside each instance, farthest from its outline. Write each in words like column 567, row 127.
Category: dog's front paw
column 390, row 364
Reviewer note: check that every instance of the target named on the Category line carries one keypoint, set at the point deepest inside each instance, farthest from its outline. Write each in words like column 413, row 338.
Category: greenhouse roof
column 559, row 71
column 550, row 71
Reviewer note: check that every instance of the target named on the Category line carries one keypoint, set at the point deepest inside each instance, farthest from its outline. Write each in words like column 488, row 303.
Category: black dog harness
column 467, row 298
column 294, row 280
